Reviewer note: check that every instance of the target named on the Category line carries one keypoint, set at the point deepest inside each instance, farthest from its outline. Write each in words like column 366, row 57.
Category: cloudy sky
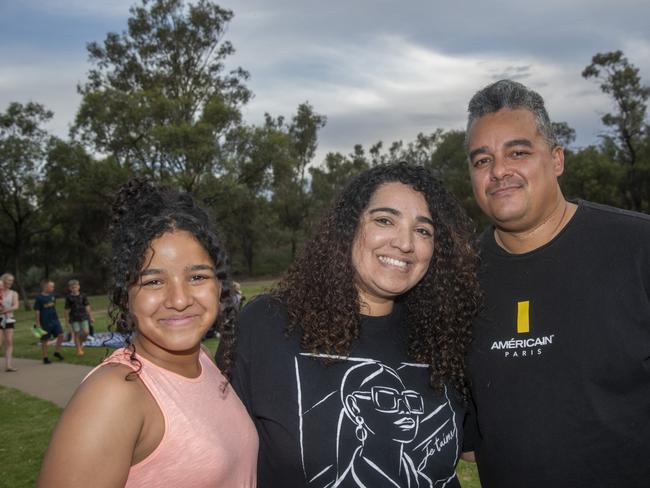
column 378, row 69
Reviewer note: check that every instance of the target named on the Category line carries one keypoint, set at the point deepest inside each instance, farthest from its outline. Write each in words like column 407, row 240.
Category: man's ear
column 557, row 153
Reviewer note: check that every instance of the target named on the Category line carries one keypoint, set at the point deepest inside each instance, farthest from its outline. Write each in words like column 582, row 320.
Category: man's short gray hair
column 513, row 95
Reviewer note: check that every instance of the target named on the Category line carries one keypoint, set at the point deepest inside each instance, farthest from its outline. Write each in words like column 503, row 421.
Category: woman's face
column 177, row 298
column 8, row 281
column 393, row 245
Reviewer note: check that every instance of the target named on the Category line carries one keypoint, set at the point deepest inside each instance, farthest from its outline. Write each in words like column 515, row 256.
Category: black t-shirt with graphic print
column 77, row 305
column 370, row 419
column 561, row 359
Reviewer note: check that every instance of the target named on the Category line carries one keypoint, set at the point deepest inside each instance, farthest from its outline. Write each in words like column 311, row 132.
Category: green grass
column 28, row 422
column 27, row 425
column 468, row 475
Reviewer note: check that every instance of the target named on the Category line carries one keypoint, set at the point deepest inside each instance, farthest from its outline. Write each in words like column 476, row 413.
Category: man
column 560, row 364
column 48, row 320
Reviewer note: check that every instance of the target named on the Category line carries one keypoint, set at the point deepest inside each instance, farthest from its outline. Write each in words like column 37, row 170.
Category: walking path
column 55, row 382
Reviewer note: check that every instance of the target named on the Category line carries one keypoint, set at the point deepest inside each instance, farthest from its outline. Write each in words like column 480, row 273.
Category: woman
column 158, row 412
column 8, row 304
column 353, row 368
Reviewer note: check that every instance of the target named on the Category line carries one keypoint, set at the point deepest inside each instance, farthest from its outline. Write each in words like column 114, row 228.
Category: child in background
column 48, row 320
column 78, row 314
column 8, row 304
column 158, row 412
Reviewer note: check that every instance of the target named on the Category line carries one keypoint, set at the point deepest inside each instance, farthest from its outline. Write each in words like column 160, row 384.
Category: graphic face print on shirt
column 379, row 429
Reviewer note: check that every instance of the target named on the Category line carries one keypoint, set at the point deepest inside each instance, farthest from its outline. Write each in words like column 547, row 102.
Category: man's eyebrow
column 478, row 150
column 397, row 213
column 519, row 142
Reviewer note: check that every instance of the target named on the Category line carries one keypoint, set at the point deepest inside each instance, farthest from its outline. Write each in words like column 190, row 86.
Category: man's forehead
column 509, row 124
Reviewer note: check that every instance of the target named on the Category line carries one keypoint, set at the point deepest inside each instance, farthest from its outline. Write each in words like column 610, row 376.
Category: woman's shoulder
column 263, row 308
column 262, row 321
column 115, row 380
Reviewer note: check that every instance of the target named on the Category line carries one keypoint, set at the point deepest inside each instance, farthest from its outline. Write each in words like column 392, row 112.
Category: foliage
column 24, row 193
column 630, row 135
column 290, row 199
column 158, row 99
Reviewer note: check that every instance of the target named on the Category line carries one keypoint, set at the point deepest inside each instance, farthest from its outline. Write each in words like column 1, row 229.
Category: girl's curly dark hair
column 322, row 300
column 142, row 212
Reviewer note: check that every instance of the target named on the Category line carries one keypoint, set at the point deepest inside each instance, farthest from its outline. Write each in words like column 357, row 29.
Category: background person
column 8, row 303
column 560, row 364
column 48, row 320
column 78, row 314
column 387, row 278
column 158, row 412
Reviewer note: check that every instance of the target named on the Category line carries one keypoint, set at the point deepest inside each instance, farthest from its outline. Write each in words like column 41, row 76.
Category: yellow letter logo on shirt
column 523, row 318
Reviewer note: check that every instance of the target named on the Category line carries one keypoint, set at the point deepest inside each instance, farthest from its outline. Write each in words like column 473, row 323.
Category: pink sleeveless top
column 209, row 439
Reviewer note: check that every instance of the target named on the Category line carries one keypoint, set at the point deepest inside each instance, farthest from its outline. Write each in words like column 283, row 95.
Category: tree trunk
column 21, row 287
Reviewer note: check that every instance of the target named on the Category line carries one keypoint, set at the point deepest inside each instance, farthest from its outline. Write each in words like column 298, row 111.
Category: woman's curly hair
column 142, row 212
column 322, row 300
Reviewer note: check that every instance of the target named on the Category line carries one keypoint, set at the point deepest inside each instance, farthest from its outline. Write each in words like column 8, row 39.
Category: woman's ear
column 351, row 405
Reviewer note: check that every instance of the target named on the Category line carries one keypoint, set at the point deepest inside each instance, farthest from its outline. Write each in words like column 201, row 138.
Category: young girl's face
column 176, row 298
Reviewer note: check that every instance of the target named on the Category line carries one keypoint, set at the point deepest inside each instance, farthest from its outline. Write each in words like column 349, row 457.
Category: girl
column 158, row 412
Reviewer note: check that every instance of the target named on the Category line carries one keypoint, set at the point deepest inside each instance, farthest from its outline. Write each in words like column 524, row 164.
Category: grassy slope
column 27, row 424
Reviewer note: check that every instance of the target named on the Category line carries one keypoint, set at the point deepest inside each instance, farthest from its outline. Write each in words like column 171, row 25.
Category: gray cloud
column 379, row 69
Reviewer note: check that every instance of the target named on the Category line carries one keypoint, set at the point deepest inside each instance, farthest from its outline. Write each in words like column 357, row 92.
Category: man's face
column 513, row 170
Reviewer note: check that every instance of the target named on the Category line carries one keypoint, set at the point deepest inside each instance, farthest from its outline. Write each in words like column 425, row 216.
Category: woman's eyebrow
column 394, row 211
column 390, row 210
column 200, row 267
column 150, row 271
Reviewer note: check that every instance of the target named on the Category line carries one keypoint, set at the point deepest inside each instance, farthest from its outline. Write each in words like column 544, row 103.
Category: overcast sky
column 378, row 69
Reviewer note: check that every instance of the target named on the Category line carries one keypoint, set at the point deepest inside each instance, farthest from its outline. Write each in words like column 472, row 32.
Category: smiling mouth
column 179, row 320
column 504, row 190
column 398, row 263
column 405, row 423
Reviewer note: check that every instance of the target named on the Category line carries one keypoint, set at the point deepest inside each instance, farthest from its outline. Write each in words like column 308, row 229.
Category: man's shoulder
column 614, row 214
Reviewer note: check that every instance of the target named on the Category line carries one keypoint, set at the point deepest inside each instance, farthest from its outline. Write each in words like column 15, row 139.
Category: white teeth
column 392, row 261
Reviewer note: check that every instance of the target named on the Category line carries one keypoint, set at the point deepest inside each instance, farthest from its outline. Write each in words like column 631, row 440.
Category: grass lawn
column 28, row 422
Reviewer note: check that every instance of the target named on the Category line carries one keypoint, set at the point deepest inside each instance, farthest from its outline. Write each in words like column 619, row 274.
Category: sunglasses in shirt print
column 388, row 400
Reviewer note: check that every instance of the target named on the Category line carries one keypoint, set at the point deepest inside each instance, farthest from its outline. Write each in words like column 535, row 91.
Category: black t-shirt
column 370, row 419
column 561, row 359
column 77, row 306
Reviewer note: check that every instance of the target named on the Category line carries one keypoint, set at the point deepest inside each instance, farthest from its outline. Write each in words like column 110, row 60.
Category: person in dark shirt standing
column 560, row 364
column 48, row 320
column 353, row 367
column 78, row 314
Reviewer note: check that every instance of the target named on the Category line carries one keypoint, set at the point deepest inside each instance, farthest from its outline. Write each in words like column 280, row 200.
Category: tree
column 329, row 179
column 592, row 174
column 159, row 99
column 565, row 135
column 620, row 79
column 85, row 190
column 290, row 185
column 23, row 200
column 240, row 196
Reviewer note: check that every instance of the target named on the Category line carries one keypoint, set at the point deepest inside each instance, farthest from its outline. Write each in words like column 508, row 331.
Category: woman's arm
column 14, row 303
column 95, row 439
